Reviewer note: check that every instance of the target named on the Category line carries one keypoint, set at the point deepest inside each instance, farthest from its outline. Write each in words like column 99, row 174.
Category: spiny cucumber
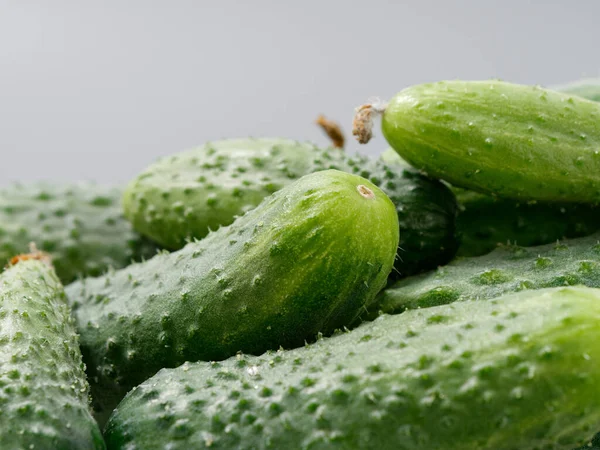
column 506, row 269
column 521, row 372
column 304, row 261
column 184, row 195
column 44, row 401
column 499, row 138
column 80, row 225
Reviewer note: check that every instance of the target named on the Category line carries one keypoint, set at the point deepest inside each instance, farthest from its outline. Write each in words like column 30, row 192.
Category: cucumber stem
column 333, row 131
column 362, row 125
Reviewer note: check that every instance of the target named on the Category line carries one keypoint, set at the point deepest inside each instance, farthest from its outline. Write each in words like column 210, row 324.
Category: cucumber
column 588, row 88
column 80, row 225
column 594, row 444
column 485, row 221
column 305, row 261
column 518, row 373
column 44, row 401
column 427, row 211
column 184, row 195
column 499, row 138
column 506, row 269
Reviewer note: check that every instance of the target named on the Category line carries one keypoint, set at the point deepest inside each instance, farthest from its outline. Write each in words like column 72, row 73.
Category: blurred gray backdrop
column 99, row 89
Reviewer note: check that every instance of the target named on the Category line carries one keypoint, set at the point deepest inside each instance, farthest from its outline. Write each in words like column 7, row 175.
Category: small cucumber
column 518, row 373
column 184, row 195
column 304, row 261
column 80, row 225
column 499, row 138
column 587, row 88
column 506, row 269
column 44, row 395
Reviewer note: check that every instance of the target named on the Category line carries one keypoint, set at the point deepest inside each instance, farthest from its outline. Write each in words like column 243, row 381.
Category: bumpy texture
column 426, row 210
column 587, row 88
column 499, row 138
column 518, row 373
column 485, row 221
column 80, row 225
column 506, row 269
column 190, row 193
column 43, row 390
column 305, row 261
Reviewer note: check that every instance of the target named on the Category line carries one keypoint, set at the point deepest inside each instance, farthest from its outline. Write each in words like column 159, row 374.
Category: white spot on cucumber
column 365, row 191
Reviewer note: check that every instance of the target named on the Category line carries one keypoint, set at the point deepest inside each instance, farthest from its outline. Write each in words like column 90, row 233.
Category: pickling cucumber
column 80, row 225
column 513, row 141
column 587, row 88
column 305, row 261
column 521, row 372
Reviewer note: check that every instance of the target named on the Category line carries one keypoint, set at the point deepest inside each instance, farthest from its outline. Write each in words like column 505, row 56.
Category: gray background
column 98, row 89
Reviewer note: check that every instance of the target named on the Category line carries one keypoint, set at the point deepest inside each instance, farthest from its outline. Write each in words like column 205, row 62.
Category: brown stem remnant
column 362, row 125
column 34, row 253
column 333, row 131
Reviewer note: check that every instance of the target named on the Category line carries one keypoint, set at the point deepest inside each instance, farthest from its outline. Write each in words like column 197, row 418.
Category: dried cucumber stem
column 34, row 253
column 362, row 125
column 333, row 131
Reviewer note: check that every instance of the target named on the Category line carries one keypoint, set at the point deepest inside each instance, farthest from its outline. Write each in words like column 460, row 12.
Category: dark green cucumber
column 184, row 195
column 427, row 211
column 485, row 221
column 305, row 261
column 506, row 269
column 500, row 138
column 587, row 88
column 518, row 373
column 80, row 225
column 44, row 401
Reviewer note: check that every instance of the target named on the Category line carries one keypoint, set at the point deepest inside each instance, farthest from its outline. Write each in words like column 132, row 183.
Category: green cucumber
column 499, row 138
column 485, row 221
column 594, row 444
column 518, row 373
column 305, row 261
column 588, row 88
column 80, row 225
column 44, row 395
column 506, row 269
column 184, row 195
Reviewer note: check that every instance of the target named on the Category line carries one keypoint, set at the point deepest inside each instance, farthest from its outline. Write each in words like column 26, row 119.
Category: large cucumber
column 44, row 395
column 506, row 269
column 80, row 225
column 518, row 373
column 184, row 195
column 305, row 261
column 500, row 138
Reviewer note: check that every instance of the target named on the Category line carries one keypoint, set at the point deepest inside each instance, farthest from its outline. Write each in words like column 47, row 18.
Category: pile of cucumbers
column 265, row 293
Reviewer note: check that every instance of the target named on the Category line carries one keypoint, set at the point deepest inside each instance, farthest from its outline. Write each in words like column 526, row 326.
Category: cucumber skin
column 507, row 269
column 588, row 88
column 499, row 138
column 80, row 225
column 485, row 221
column 304, row 261
column 43, row 389
column 503, row 375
